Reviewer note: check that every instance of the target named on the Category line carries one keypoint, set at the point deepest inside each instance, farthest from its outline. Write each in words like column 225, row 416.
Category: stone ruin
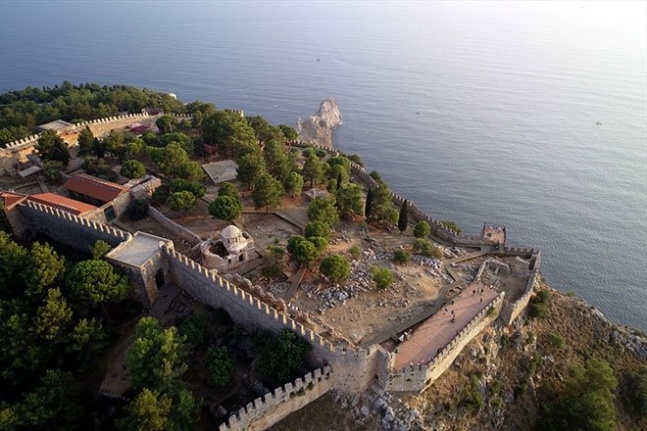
column 231, row 249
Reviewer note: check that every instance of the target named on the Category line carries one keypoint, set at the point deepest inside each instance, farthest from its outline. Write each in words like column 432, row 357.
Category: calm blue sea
column 476, row 111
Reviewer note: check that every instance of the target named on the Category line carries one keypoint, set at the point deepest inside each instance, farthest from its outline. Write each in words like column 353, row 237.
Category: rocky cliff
column 501, row 379
column 318, row 128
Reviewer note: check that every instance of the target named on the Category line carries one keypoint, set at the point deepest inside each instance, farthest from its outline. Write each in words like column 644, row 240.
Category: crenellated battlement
column 300, row 392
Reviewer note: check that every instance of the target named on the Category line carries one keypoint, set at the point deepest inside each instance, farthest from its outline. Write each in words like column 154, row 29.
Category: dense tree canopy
column 227, row 130
column 281, row 357
column 21, row 111
column 96, row 282
column 181, row 201
column 133, row 169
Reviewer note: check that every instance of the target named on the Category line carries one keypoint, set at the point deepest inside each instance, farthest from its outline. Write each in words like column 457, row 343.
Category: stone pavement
column 439, row 330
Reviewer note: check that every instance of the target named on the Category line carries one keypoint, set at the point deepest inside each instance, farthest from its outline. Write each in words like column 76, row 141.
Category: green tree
column 50, row 146
column 46, row 268
column 289, row 132
column 227, row 130
column 276, row 161
column 86, row 142
column 168, row 159
column 382, row 277
column 52, row 170
column 228, row 189
column 317, row 228
column 156, row 357
column 348, row 200
column 303, row 250
column 166, row 123
column 293, row 184
column 335, row 266
column 181, row 201
column 584, row 402
column 137, row 209
column 186, row 142
column 634, row 392
column 250, row 167
column 148, row 411
column 52, row 405
column 281, row 357
column 13, row 261
column 53, row 317
column 422, row 229
column 368, row 207
column 181, row 185
column 190, row 171
column 133, row 169
column 226, row 208
column 99, row 249
column 424, row 247
column 312, row 169
column 323, row 209
column 96, row 282
column 267, row 193
column 403, row 219
column 220, row 366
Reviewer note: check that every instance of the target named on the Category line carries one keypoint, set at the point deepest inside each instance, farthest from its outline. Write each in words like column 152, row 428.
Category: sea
column 529, row 115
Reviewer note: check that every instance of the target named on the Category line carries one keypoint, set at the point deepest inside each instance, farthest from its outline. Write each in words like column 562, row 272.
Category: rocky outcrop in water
column 318, row 128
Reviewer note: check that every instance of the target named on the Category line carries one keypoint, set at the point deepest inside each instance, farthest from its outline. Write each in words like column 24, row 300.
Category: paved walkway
column 439, row 330
column 296, row 279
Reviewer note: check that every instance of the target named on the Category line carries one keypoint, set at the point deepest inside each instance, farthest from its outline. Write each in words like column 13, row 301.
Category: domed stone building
column 228, row 251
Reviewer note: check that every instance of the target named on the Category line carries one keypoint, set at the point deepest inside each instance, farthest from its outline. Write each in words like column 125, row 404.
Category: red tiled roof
column 62, row 203
column 103, row 191
column 9, row 199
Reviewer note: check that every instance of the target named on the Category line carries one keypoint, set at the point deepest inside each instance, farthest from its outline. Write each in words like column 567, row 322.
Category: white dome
column 230, row 231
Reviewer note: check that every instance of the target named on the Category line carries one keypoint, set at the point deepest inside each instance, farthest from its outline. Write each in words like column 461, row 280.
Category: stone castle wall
column 354, row 368
column 511, row 311
column 66, row 228
column 420, row 377
column 267, row 410
column 17, row 151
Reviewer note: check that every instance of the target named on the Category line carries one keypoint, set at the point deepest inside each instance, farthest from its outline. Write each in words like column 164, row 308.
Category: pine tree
column 368, row 210
column 403, row 220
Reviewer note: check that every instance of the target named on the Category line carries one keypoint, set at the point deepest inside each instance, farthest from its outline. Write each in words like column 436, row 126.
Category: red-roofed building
column 62, row 203
column 9, row 199
column 93, row 190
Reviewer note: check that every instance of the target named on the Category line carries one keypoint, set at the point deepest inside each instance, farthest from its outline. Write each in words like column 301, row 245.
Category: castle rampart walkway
column 442, row 327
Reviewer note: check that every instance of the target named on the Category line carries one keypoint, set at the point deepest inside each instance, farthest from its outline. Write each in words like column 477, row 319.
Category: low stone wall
column 174, row 228
column 267, row 410
column 420, row 377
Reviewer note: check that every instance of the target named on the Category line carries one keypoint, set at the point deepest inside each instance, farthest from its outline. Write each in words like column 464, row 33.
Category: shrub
column 422, row 229
column 537, row 305
column 99, row 168
column 281, row 357
column 220, row 366
column 137, row 209
column 161, row 194
column 194, row 329
column 382, row 277
column 401, row 256
column 556, row 341
column 355, row 251
column 423, row 246
column 633, row 392
column 335, row 266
